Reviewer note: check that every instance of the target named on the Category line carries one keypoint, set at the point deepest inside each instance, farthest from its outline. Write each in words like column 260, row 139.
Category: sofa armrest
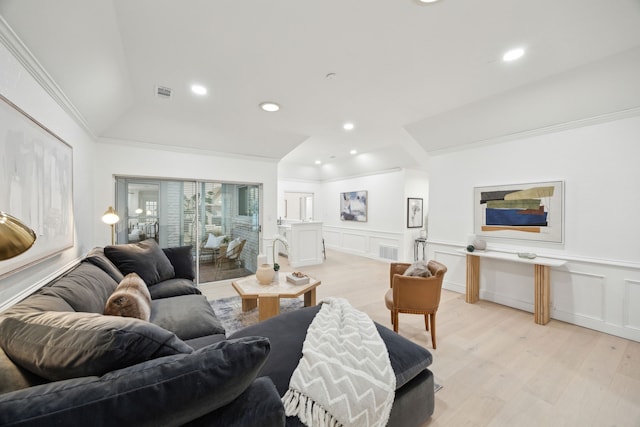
column 259, row 406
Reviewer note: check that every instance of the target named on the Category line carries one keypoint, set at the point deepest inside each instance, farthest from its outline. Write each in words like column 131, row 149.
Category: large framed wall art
column 36, row 176
column 520, row 211
column 353, row 206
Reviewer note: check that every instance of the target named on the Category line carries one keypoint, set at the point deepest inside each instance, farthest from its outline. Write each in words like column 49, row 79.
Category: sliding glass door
column 214, row 218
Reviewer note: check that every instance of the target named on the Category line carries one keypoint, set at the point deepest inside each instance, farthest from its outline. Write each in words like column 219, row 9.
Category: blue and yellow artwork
column 527, row 211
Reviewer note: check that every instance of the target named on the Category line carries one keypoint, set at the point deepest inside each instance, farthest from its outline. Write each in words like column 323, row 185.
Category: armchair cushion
column 145, row 258
column 232, row 245
column 214, row 242
column 61, row 345
column 166, row 391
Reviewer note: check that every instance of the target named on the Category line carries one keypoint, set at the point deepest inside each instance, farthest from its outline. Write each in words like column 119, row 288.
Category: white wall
column 600, row 285
column 21, row 88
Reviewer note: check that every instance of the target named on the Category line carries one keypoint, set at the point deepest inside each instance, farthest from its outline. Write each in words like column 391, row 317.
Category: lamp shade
column 15, row 237
column 110, row 216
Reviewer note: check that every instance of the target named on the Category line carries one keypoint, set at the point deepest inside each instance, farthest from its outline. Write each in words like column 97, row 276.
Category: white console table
column 541, row 279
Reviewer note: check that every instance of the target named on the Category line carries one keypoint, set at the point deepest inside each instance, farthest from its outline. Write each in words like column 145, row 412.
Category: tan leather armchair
column 415, row 295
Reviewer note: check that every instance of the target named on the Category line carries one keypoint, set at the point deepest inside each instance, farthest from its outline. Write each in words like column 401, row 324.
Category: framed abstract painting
column 532, row 211
column 353, row 206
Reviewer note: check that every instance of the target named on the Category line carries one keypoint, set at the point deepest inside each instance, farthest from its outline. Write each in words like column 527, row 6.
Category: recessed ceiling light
column 427, row 1
column 353, row 152
column 199, row 90
column 513, row 54
column 270, row 106
column 348, row 126
column 318, row 162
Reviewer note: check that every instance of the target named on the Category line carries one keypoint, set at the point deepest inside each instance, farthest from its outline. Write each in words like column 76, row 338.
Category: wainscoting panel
column 631, row 311
column 456, row 276
column 598, row 294
column 354, row 243
column 578, row 293
column 370, row 243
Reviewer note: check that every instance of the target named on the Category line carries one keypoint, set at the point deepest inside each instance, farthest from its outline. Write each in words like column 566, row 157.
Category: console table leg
column 473, row 279
column 541, row 310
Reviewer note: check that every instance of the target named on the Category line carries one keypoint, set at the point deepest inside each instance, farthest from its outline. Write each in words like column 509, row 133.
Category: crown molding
column 24, row 56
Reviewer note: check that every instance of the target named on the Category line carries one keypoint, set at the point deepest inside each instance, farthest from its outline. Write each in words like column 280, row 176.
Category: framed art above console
column 532, row 211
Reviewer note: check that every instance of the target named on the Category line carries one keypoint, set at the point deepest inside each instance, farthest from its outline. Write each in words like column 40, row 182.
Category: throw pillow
column 145, row 258
column 232, row 245
column 61, row 345
column 166, row 391
column 182, row 261
column 213, row 242
column 130, row 299
column 418, row 268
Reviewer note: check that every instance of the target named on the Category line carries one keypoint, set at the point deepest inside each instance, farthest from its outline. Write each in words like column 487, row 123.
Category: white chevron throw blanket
column 344, row 377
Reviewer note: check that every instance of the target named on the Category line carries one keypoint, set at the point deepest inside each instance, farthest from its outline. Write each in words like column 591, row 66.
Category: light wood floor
column 498, row 367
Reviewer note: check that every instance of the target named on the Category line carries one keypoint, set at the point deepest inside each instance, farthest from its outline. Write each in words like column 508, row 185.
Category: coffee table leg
column 249, row 304
column 268, row 306
column 310, row 298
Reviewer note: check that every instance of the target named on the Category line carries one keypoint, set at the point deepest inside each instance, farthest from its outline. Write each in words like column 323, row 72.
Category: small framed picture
column 414, row 213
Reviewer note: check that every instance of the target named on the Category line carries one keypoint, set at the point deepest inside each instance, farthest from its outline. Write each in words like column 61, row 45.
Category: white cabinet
column 305, row 243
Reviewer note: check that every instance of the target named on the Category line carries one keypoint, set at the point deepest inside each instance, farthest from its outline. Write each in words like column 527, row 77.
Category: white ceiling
column 413, row 78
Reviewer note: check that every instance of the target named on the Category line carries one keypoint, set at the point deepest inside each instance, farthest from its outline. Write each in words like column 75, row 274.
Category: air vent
column 164, row 92
column 388, row 252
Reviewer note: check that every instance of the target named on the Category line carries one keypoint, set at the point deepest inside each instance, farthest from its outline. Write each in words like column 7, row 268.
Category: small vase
column 276, row 277
column 265, row 274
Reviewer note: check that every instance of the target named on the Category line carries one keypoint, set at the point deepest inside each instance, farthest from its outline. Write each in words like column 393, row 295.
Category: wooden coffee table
column 267, row 297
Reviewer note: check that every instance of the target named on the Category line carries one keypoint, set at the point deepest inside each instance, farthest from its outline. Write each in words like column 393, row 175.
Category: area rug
column 229, row 312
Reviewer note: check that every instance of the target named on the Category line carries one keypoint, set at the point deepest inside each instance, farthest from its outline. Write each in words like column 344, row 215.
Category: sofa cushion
column 97, row 257
column 58, row 345
column 188, row 316
column 130, row 299
column 182, row 261
column 145, row 258
column 288, row 331
column 166, row 391
column 173, row 288
column 85, row 288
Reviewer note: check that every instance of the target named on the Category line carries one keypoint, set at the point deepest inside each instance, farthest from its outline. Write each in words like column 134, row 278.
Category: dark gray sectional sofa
column 63, row 362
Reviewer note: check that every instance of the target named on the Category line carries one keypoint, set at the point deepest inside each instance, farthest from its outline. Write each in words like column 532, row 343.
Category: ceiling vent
column 163, row 92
